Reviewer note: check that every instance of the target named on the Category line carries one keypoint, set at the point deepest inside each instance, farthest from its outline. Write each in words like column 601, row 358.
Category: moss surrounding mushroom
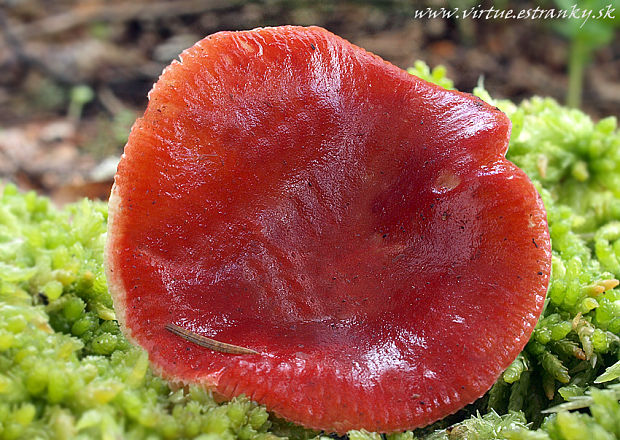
column 56, row 322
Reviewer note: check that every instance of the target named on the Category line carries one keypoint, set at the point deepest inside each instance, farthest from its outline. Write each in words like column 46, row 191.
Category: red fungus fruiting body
column 359, row 228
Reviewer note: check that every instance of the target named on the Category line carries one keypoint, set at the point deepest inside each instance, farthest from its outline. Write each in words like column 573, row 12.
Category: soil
column 74, row 75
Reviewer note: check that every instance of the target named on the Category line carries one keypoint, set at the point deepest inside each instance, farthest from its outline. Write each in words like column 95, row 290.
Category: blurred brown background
column 74, row 75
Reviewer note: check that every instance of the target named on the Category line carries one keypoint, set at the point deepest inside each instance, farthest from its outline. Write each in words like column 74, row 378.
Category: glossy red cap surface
column 360, row 228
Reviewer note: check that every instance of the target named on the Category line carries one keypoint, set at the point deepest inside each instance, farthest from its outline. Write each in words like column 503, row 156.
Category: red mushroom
column 299, row 221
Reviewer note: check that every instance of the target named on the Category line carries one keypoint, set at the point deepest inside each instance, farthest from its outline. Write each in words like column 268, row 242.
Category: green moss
column 66, row 370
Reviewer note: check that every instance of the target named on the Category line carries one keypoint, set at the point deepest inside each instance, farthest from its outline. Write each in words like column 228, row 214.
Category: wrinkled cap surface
column 358, row 227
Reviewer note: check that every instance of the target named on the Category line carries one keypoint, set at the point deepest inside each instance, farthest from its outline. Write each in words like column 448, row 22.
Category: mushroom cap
column 358, row 227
